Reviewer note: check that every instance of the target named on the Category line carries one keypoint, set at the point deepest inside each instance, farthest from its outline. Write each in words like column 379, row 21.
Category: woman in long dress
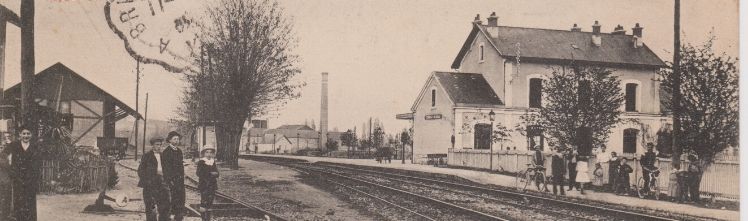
column 583, row 176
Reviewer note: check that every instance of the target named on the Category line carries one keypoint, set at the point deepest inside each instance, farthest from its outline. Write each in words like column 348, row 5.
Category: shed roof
column 467, row 88
column 74, row 87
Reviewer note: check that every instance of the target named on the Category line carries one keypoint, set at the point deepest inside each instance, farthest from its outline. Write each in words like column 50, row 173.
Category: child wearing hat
column 207, row 173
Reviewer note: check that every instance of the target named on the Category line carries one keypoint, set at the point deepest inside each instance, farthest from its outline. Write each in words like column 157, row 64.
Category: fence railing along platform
column 720, row 179
column 89, row 177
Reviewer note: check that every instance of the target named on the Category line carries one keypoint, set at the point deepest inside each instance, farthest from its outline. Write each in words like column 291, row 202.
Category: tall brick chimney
column 596, row 38
column 323, row 113
column 637, row 36
column 493, row 25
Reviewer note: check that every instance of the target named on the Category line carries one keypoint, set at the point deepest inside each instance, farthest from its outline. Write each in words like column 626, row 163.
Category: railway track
column 551, row 206
column 422, row 206
column 223, row 206
column 548, row 201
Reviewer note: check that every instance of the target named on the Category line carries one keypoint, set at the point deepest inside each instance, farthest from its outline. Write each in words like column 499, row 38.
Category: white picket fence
column 721, row 179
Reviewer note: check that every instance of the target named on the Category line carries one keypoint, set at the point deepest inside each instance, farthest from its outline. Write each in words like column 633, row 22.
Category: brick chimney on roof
column 637, row 30
column 596, row 38
column 638, row 36
column 493, row 20
column 619, row 30
column 493, row 25
column 576, row 28
column 477, row 19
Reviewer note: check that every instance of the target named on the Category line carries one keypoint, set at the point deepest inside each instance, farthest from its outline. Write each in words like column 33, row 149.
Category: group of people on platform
column 161, row 174
column 20, row 173
column 569, row 168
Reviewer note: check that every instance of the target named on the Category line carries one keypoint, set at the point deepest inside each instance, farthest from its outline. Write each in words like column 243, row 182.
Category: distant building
column 299, row 137
column 501, row 69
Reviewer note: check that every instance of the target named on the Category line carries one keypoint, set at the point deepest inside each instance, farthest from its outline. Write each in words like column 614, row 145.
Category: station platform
column 487, row 178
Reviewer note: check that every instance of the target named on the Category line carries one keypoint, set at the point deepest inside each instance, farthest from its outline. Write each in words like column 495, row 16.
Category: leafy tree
column 501, row 134
column 331, row 145
column 377, row 138
column 580, row 100
column 709, row 107
column 246, row 66
column 349, row 138
column 405, row 138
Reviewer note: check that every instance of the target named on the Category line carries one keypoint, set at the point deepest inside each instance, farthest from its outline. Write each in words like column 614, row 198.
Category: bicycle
column 653, row 187
column 532, row 174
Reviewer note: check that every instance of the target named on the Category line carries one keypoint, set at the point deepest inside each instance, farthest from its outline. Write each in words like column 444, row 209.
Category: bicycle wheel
column 540, row 181
column 640, row 188
column 655, row 189
column 528, row 180
column 520, row 181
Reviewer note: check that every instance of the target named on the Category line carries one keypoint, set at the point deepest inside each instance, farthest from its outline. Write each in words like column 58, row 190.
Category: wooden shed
column 94, row 111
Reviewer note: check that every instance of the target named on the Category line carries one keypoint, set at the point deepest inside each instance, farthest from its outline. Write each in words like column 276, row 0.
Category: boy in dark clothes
column 623, row 177
column 5, row 187
column 207, row 172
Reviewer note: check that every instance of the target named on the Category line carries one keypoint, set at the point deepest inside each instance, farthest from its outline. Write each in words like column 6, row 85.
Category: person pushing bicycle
column 648, row 165
column 538, row 163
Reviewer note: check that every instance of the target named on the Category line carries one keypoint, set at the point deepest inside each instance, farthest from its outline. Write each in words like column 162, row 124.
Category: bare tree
column 709, row 106
column 583, row 105
column 247, row 65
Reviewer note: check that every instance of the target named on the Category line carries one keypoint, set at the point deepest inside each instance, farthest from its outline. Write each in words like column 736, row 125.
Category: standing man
column 648, row 165
column 173, row 164
column 571, row 158
column 155, row 190
column 613, row 165
column 25, row 173
column 558, row 169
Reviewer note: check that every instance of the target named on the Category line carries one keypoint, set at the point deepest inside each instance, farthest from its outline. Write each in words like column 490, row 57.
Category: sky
column 378, row 53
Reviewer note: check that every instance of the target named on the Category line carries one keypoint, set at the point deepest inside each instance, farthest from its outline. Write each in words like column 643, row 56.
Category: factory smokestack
column 323, row 112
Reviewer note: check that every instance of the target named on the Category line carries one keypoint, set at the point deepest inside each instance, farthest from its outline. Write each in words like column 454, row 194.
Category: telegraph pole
column 27, row 55
column 145, row 126
column 137, row 92
column 677, row 149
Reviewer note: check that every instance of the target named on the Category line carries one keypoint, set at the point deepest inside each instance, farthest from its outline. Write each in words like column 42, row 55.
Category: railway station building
column 500, row 69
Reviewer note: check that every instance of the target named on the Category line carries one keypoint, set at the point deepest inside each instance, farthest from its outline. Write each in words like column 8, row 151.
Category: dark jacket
column 26, row 165
column 4, row 170
column 173, row 165
column 148, row 171
column 538, row 158
column 623, row 172
column 558, row 168
column 648, row 160
column 207, row 181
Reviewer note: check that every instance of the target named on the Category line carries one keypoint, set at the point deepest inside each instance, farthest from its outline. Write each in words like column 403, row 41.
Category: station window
column 535, row 137
column 631, row 97
column 482, row 136
column 536, row 92
column 629, row 140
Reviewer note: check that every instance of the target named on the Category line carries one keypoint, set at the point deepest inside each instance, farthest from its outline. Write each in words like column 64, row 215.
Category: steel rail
column 258, row 210
column 470, row 212
column 615, row 212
